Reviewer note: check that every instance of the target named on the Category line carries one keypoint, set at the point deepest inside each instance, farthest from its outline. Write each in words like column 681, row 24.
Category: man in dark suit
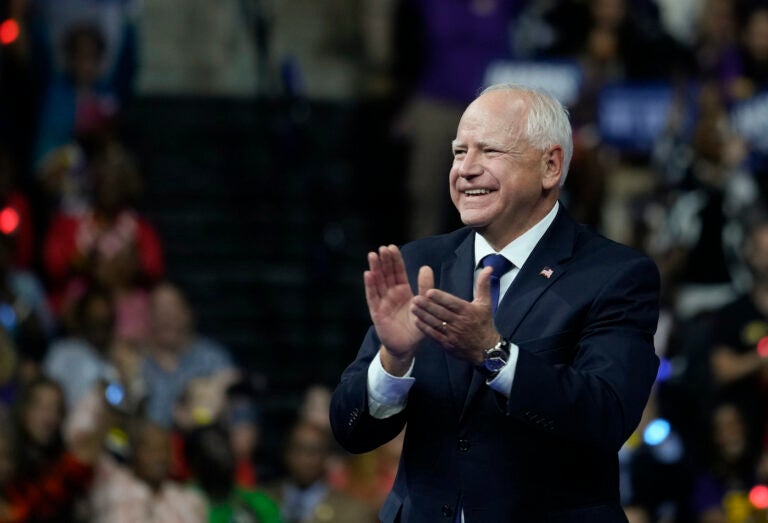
column 515, row 412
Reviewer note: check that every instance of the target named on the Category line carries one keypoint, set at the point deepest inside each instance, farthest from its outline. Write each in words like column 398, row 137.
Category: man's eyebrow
column 480, row 145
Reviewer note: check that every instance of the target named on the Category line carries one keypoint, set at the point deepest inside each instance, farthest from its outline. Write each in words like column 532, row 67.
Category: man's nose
column 470, row 165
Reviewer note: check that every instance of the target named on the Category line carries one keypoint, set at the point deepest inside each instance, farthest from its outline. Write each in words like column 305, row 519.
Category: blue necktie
column 500, row 266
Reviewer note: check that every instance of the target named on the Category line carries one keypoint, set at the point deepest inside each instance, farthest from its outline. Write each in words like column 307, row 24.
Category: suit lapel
column 551, row 253
column 456, row 277
column 554, row 248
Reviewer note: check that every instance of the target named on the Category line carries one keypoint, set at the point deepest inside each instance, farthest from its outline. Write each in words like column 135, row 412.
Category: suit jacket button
column 463, row 445
column 447, row 511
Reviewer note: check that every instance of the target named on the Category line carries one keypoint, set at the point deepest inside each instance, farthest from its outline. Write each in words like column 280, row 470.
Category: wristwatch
column 495, row 358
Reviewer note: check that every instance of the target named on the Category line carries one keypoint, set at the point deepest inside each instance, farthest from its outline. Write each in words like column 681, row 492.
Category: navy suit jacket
column 584, row 373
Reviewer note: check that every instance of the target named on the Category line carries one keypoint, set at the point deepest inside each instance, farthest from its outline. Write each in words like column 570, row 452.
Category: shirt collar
column 518, row 250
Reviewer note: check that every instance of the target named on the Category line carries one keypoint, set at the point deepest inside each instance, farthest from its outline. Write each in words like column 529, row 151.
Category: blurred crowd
column 114, row 407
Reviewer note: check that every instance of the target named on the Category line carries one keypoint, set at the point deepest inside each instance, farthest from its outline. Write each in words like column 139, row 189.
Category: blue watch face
column 495, row 360
column 494, row 364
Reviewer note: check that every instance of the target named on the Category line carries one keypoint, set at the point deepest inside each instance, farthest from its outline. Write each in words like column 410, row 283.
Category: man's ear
column 553, row 167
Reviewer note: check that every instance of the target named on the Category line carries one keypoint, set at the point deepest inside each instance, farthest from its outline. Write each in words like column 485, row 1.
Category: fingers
column 373, row 278
column 435, row 310
column 387, row 256
column 426, row 280
column 437, row 332
column 386, row 269
column 372, row 294
column 483, row 293
column 399, row 265
column 447, row 318
column 388, row 266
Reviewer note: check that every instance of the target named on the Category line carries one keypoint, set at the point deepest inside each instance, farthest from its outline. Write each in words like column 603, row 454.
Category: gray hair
column 548, row 122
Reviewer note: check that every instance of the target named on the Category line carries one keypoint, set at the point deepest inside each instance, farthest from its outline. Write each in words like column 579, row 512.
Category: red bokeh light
column 9, row 220
column 762, row 347
column 9, row 31
column 758, row 496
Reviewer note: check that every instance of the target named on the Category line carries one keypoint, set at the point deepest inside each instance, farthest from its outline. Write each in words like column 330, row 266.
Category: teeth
column 476, row 192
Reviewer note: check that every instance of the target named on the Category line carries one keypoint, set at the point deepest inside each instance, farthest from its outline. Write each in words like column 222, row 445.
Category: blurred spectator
column 318, row 48
column 114, row 19
column 728, row 473
column 714, row 42
column 751, row 69
column 225, row 400
column 197, row 47
column 315, row 405
column 676, row 16
column 628, row 32
column 369, row 477
column 697, row 247
column 64, row 182
column 304, row 495
column 9, row 371
column 434, row 37
column 74, row 243
column 739, row 364
column 119, row 274
column 176, row 355
column 243, row 421
column 655, row 467
column 213, row 464
column 8, row 513
column 314, row 409
column 143, row 491
column 49, row 477
column 77, row 106
column 24, row 312
column 203, row 401
column 81, row 361
column 122, row 268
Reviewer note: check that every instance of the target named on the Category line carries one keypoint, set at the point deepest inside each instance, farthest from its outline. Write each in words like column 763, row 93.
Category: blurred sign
column 632, row 116
column 562, row 79
column 750, row 120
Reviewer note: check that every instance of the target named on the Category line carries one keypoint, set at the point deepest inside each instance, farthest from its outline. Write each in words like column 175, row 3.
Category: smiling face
column 499, row 183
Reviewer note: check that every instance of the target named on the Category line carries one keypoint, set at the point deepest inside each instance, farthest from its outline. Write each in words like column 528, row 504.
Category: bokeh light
column 7, row 317
column 9, row 31
column 762, row 347
column 758, row 496
column 9, row 220
column 656, row 432
column 114, row 393
column 665, row 370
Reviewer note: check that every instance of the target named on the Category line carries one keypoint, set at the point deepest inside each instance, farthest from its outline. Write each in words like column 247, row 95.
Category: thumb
column 426, row 279
column 483, row 292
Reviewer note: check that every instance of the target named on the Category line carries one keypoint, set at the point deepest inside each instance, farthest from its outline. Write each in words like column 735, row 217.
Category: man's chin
column 475, row 222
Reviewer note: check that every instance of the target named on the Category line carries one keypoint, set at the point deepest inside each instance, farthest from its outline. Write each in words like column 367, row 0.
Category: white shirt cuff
column 387, row 394
column 502, row 383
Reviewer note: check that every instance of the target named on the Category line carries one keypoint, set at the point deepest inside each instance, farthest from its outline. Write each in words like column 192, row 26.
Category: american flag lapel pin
column 546, row 272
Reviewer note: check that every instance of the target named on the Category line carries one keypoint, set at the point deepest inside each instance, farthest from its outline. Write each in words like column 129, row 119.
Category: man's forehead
column 503, row 113
column 493, row 130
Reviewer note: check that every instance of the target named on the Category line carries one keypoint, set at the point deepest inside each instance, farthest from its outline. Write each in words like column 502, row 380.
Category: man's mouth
column 477, row 192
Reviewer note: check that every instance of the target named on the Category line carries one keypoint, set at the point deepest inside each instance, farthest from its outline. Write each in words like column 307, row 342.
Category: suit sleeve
column 599, row 398
column 352, row 424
